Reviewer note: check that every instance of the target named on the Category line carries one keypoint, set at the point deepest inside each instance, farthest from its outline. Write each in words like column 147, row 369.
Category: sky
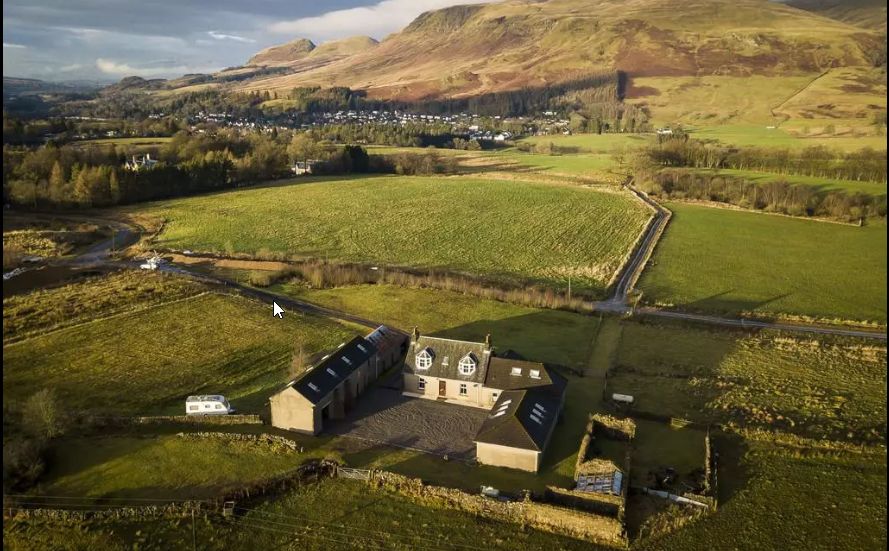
column 109, row 39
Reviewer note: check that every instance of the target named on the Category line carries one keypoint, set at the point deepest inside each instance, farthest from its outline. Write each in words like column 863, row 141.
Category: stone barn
column 329, row 389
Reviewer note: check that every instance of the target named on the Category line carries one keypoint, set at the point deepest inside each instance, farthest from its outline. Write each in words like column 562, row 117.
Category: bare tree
column 42, row 414
column 299, row 361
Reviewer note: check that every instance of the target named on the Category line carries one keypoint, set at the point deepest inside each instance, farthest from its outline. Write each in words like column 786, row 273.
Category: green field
column 832, row 388
column 819, row 184
column 729, row 261
column 594, row 143
column 545, row 335
column 162, row 467
column 776, row 498
column 149, row 360
column 103, row 296
column 495, row 228
column 762, row 136
column 334, row 514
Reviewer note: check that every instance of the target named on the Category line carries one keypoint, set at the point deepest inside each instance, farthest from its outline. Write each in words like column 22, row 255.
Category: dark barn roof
column 320, row 381
column 521, row 419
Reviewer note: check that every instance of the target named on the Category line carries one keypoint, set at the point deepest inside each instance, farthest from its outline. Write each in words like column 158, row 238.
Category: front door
column 442, row 388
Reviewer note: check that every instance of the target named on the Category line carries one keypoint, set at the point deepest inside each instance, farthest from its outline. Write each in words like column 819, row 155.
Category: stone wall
column 583, row 525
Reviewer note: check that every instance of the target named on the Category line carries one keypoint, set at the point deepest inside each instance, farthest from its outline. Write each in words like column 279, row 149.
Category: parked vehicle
column 213, row 404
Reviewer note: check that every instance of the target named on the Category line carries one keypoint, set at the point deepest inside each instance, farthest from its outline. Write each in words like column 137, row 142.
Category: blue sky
column 110, row 39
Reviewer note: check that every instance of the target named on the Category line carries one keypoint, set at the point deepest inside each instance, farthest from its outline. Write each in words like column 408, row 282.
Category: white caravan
column 208, row 405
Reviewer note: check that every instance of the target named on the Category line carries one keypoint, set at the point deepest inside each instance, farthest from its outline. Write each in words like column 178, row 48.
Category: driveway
column 384, row 416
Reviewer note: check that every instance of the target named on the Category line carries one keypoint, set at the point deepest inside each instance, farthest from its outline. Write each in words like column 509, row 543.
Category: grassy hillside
column 868, row 14
column 503, row 229
column 817, row 269
column 506, row 45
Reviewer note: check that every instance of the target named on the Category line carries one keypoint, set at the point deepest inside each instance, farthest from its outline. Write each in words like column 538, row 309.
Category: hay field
column 727, row 261
column 504, row 229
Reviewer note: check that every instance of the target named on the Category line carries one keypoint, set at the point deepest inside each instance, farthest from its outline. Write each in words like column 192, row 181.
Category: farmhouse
column 524, row 398
column 138, row 162
column 330, row 389
column 303, row 167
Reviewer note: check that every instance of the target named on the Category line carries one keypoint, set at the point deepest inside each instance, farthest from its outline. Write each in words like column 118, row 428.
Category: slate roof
column 385, row 338
column 319, row 381
column 446, row 356
column 500, row 376
column 521, row 419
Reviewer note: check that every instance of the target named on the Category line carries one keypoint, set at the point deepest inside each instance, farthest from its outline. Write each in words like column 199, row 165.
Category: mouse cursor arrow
column 277, row 311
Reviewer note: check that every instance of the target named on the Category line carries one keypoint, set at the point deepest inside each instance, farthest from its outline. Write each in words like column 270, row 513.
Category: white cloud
column 221, row 36
column 111, row 67
column 376, row 20
column 72, row 67
column 15, row 46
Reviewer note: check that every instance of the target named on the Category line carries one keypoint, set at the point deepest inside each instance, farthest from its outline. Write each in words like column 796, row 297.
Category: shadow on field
column 721, row 303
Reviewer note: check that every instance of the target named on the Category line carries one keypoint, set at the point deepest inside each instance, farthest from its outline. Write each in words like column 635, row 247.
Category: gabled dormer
column 468, row 364
column 423, row 359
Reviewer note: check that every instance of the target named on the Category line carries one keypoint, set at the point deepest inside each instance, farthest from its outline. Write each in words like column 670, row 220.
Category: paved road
column 634, row 267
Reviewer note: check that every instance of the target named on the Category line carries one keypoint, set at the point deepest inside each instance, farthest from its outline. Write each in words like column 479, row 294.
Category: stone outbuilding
column 329, row 389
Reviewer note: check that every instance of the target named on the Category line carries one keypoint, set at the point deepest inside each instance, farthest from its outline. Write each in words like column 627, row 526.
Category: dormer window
column 424, row 359
column 467, row 365
column 516, row 372
column 535, row 373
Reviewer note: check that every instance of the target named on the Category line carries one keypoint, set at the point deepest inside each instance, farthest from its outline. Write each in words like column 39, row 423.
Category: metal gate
column 357, row 474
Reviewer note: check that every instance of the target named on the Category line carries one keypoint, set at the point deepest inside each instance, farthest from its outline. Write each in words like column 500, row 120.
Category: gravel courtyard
column 384, row 416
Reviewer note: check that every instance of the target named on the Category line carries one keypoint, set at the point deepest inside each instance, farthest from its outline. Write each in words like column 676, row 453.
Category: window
column 347, row 360
column 534, row 373
column 494, row 396
column 331, row 372
column 424, row 359
column 208, row 406
column 192, row 408
column 463, row 390
column 444, row 361
column 218, row 406
column 516, row 372
column 421, row 384
column 467, row 365
column 314, row 387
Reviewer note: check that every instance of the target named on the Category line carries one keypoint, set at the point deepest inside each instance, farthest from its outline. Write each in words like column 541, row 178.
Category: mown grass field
column 729, row 261
column 829, row 388
column 819, row 184
column 495, row 228
column 778, row 498
column 162, row 467
column 147, row 361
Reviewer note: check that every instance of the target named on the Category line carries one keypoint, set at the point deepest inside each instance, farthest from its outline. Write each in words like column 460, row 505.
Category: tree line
column 866, row 164
column 777, row 196
column 71, row 176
